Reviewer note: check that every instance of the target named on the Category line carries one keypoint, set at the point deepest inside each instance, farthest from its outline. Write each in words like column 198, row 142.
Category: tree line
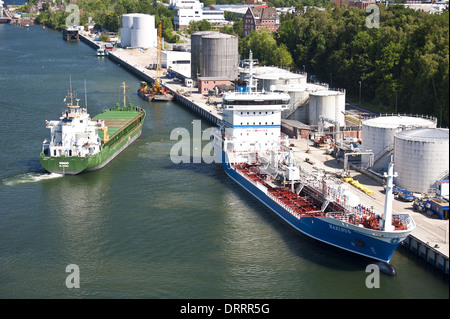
column 107, row 14
column 403, row 65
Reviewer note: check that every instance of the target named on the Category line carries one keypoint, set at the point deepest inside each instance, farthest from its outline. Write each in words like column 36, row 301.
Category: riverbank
column 428, row 241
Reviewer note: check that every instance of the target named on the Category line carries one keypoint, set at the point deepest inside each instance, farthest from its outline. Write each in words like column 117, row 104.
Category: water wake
column 29, row 178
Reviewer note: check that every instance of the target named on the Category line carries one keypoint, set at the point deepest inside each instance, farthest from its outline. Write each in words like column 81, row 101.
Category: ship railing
column 274, row 198
column 410, row 224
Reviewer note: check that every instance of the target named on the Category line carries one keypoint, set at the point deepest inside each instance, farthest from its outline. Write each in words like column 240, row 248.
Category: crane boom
column 158, row 62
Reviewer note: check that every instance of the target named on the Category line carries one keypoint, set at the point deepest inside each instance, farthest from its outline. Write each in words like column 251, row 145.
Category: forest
column 401, row 65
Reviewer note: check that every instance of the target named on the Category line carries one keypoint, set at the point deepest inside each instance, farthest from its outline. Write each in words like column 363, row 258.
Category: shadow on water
column 302, row 246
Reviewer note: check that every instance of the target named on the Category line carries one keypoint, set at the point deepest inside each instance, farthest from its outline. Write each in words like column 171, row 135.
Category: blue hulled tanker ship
column 256, row 155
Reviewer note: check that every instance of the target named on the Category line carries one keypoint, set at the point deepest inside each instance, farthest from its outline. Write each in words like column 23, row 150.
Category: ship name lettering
column 63, row 164
column 341, row 229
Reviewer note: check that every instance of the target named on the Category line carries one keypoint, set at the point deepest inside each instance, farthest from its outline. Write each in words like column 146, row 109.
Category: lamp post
column 395, row 102
column 359, row 92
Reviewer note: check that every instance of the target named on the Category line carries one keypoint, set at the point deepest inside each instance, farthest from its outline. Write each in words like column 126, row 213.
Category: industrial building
column 185, row 11
column 178, row 61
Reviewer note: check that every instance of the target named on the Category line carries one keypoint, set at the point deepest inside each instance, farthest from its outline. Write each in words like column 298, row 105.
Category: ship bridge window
column 258, row 102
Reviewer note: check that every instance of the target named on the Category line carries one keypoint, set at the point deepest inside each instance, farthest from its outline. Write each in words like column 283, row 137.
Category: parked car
column 405, row 195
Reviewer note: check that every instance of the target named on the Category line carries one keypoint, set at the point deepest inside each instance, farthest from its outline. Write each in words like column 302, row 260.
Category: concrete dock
column 430, row 239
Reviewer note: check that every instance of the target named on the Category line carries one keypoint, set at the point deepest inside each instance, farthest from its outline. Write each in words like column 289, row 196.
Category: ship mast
column 250, row 71
column 387, row 215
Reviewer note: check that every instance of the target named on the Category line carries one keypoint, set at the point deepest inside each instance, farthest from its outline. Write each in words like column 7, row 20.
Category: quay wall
column 424, row 251
column 180, row 99
column 89, row 42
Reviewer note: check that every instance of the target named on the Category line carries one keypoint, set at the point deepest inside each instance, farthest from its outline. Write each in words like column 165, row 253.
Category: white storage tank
column 138, row 31
column 421, row 157
column 127, row 20
column 299, row 103
column 125, row 37
column 268, row 76
column 378, row 135
column 143, row 21
column 328, row 103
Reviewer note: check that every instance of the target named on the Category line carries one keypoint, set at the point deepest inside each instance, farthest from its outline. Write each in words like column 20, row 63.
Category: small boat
column 101, row 52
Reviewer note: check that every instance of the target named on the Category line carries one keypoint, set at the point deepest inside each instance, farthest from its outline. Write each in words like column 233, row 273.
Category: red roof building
column 256, row 18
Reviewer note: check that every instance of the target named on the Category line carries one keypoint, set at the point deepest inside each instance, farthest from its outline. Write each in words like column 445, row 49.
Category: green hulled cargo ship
column 81, row 144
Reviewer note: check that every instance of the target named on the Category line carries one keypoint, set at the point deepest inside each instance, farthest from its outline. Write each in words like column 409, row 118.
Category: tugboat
column 80, row 144
column 154, row 94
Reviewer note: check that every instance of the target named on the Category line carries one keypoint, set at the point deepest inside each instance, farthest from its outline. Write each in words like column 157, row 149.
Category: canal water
column 144, row 226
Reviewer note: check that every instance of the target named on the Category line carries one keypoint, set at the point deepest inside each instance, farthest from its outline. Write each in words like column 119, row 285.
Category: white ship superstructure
column 75, row 134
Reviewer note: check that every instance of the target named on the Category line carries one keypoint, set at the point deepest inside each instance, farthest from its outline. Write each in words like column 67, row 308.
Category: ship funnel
column 387, row 215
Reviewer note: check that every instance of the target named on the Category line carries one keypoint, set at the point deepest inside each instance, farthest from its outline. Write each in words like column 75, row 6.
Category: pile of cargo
column 358, row 185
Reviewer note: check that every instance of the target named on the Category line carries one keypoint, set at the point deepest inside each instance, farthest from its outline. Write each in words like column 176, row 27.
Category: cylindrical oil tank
column 277, row 77
column 378, row 135
column 127, row 20
column 299, row 103
column 328, row 103
column 143, row 21
column 220, row 56
column 125, row 37
column 421, row 157
column 140, row 38
column 196, row 52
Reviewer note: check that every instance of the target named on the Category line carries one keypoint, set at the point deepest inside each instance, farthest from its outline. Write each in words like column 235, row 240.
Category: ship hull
column 72, row 165
column 365, row 242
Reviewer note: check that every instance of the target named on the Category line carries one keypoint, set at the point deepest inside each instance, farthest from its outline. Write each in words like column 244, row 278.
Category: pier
column 429, row 241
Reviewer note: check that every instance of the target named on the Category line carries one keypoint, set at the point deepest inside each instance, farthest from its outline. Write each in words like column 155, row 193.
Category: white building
column 178, row 61
column 185, row 11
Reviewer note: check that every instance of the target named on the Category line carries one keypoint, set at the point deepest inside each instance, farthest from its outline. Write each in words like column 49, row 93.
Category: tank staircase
column 299, row 103
column 384, row 154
